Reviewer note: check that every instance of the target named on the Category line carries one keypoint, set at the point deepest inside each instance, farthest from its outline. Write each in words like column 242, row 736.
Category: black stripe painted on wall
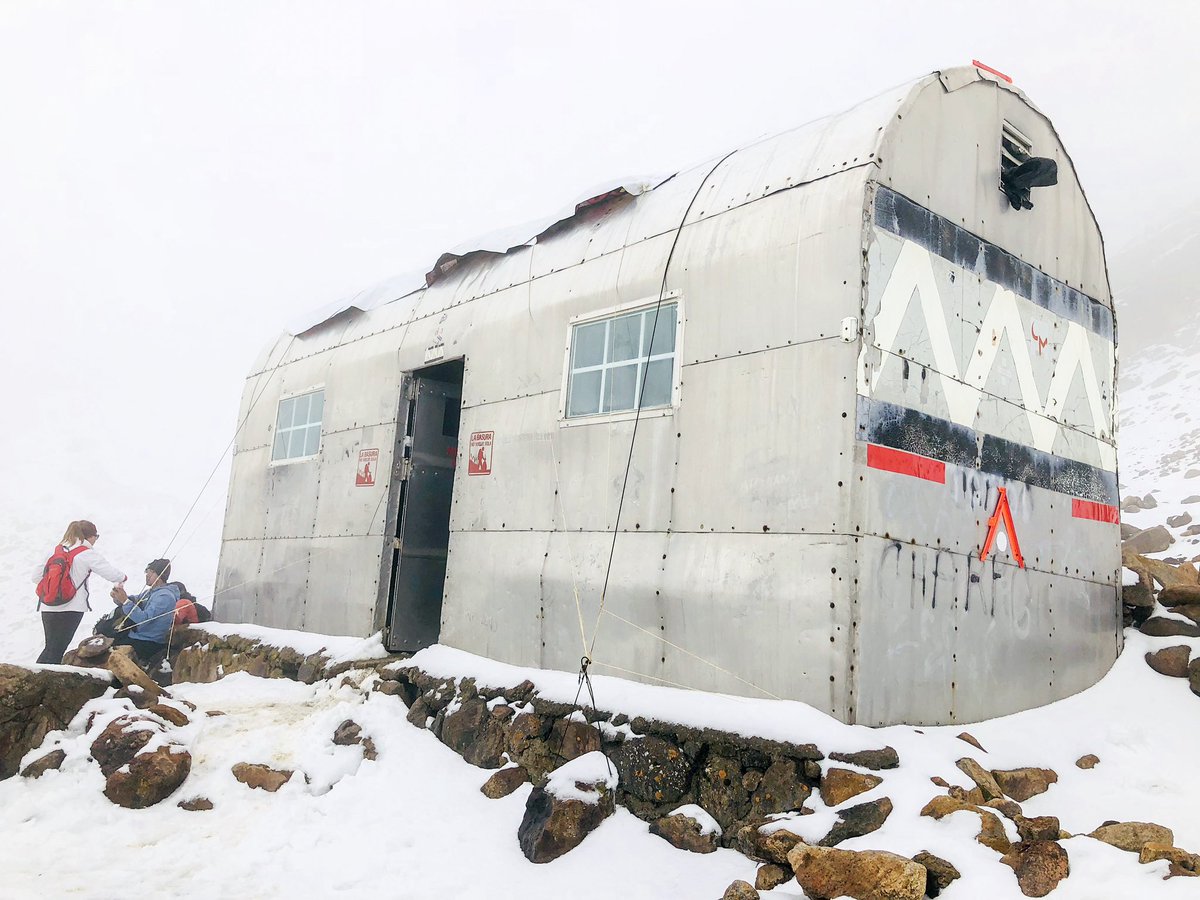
column 904, row 218
column 907, row 429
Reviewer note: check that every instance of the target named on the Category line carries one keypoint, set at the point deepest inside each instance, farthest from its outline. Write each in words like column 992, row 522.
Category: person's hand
column 118, row 594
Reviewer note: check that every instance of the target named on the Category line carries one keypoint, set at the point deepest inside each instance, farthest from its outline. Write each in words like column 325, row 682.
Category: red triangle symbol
column 1002, row 513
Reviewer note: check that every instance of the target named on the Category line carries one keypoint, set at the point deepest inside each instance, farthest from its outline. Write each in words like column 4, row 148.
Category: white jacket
column 87, row 562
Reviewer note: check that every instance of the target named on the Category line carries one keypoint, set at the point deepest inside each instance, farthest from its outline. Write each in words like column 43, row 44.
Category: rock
column 1194, row 675
column 770, row 876
column 176, row 717
column 887, row 758
column 774, row 846
column 971, row 740
column 552, row 826
column 1040, row 866
column 130, row 674
column 721, row 792
column 34, row 702
column 653, row 769
column 942, row 805
column 213, row 713
column 1021, row 784
column 573, row 739
column 1008, row 808
column 44, row 764
column 839, row 785
column 740, row 890
column 1152, row 540
column 257, row 775
column 1132, row 836
column 93, row 647
column 1191, row 610
column 528, row 744
column 1039, row 828
column 504, row 782
column 348, row 733
column 149, row 778
column 1159, row 626
column 992, row 833
column 856, row 821
column 1149, row 502
column 1088, row 761
column 1128, row 531
column 974, row 796
column 1170, row 661
column 782, row 789
column 685, row 832
column 475, row 734
column 418, row 713
column 940, row 781
column 196, row 804
column 1156, row 570
column 1182, row 862
column 369, row 750
column 982, row 777
column 121, row 740
column 863, row 875
column 939, row 872
column 1138, row 595
column 1180, row 520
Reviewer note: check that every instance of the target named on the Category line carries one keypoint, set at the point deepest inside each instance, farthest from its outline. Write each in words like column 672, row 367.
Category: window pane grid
column 612, row 341
column 298, row 426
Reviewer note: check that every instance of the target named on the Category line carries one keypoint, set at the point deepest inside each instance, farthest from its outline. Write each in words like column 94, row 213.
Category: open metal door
column 423, row 529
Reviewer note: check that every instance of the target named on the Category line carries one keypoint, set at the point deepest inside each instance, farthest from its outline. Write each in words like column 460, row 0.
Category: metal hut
column 830, row 418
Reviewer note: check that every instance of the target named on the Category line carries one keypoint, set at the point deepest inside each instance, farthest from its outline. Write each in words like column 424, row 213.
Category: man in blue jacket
column 151, row 612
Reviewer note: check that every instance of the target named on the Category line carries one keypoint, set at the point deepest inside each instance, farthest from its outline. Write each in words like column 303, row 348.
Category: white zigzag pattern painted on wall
column 912, row 276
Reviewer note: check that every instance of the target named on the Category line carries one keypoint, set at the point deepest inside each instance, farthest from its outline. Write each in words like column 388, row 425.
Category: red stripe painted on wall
column 891, row 460
column 1100, row 512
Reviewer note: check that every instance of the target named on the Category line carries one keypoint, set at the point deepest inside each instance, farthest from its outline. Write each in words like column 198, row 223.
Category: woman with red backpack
column 62, row 586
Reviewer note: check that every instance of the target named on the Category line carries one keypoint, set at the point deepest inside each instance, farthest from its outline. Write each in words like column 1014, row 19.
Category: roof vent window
column 1020, row 170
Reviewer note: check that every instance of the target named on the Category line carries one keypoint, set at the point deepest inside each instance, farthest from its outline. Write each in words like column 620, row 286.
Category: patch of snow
column 590, row 769
column 708, row 825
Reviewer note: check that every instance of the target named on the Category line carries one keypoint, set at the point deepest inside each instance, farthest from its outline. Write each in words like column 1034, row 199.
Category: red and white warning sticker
column 479, row 453
column 368, row 460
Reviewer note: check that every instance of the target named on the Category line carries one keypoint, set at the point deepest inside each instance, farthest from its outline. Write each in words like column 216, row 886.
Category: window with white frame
column 298, row 426
column 614, row 360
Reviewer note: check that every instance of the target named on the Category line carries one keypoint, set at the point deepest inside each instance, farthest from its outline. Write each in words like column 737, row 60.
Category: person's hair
column 80, row 531
column 161, row 568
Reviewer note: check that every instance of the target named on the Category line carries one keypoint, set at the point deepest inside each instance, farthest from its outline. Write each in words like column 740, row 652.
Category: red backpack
column 56, row 586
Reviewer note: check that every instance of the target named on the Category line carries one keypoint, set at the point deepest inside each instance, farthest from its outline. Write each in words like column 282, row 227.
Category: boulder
column 34, row 702
column 43, row 764
column 721, row 791
column 689, row 828
column 257, row 775
column 970, row 739
column 1128, row 531
column 653, row 769
column 419, row 713
column 974, row 796
column 781, row 789
column 839, row 785
column 1190, row 610
column 1160, row 626
column 887, row 758
column 348, row 733
column 1008, row 808
column 1039, row 866
column 774, row 846
column 1170, row 661
column 121, row 740
column 149, row 778
column 572, row 739
column 771, row 875
column 1155, row 571
column 992, row 833
column 855, row 821
column 1180, row 520
column 475, row 734
column 1039, row 828
column 1152, row 540
column 1194, row 675
column 1021, row 784
column 1138, row 595
column 1088, row 761
column 175, row 716
column 196, row 804
column 942, row 805
column 982, row 777
column 863, row 875
column 577, row 797
column 1182, row 862
column 1132, row 836
column 504, row 782
column 740, row 890
column 527, row 744
column 939, row 872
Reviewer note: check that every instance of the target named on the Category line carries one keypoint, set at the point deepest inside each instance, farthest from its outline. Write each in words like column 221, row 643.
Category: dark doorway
column 426, row 449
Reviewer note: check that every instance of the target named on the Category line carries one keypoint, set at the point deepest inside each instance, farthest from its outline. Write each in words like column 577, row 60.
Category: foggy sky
column 179, row 180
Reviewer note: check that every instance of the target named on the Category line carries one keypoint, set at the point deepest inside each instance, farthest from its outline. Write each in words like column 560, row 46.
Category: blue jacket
column 154, row 611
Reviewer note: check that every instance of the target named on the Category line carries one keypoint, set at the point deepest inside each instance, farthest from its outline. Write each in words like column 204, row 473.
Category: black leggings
column 60, row 629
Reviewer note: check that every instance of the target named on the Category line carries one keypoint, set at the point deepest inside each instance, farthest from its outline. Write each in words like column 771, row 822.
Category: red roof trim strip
column 1099, row 512
column 903, row 463
column 977, row 64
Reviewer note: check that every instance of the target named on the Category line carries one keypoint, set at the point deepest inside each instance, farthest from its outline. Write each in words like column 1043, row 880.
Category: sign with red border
column 479, row 453
column 368, row 461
